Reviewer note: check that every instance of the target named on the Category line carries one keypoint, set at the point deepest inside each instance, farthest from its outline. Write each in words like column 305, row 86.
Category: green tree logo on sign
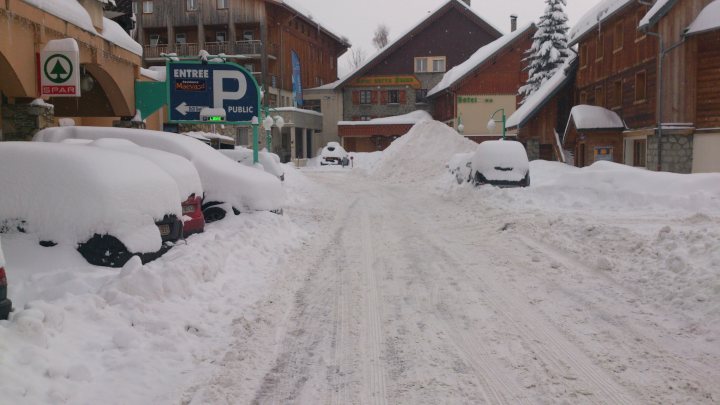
column 58, row 68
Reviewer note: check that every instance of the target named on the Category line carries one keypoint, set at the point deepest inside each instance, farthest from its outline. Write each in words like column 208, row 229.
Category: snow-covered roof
column 390, row 47
column 158, row 75
column 481, row 56
column 594, row 117
column 300, row 10
column 405, row 119
column 602, row 11
column 707, row 20
column 538, row 99
column 659, row 9
column 74, row 13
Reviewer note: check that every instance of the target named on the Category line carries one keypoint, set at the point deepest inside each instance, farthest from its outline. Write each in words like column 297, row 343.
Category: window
column 220, row 36
column 154, row 39
column 640, row 86
column 639, row 152
column 639, row 34
column 583, row 55
column 222, row 4
column 180, row 39
column 393, row 97
column 430, row 64
column 365, row 118
column 147, row 7
column 192, row 5
column 599, row 47
column 248, row 35
column 600, row 96
column 617, row 94
column 618, row 37
column 365, row 97
column 583, row 97
column 421, row 96
column 134, row 7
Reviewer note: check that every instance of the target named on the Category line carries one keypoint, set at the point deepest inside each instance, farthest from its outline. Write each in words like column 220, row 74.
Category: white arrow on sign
column 183, row 108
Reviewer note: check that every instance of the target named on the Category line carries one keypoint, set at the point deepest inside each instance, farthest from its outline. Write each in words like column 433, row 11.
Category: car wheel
column 526, row 180
column 104, row 250
column 213, row 214
column 477, row 180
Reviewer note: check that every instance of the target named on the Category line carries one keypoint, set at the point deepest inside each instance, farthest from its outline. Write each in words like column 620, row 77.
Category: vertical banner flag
column 296, row 80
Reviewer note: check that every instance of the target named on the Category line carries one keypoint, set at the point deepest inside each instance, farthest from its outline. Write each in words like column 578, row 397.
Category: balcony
column 246, row 48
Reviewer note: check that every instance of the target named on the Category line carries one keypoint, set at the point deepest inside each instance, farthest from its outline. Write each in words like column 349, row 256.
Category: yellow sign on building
column 387, row 81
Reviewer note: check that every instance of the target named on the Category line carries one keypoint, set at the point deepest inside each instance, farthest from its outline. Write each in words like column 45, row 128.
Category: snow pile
column 422, row 153
column 66, row 194
column 501, row 161
column 612, row 188
column 179, row 168
column 478, row 58
column 410, row 118
column 157, row 73
column 707, row 20
column 594, row 117
column 223, row 179
column 146, row 334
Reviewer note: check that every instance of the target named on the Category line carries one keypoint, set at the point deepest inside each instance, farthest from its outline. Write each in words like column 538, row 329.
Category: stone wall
column 20, row 122
column 677, row 153
column 532, row 146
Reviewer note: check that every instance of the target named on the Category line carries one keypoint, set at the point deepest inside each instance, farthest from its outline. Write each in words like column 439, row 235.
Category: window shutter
column 374, row 97
column 402, row 97
column 384, row 97
column 356, row 97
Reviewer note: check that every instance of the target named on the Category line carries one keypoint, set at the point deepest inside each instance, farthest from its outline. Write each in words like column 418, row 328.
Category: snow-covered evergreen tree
column 549, row 49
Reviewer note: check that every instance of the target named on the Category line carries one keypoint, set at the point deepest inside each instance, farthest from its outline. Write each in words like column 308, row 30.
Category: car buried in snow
column 5, row 303
column 269, row 162
column 108, row 205
column 500, row 163
column 459, row 166
column 228, row 187
column 333, row 154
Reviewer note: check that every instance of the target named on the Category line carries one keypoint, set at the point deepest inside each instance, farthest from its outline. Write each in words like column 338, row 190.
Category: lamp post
column 255, row 124
column 460, row 127
column 267, row 124
column 491, row 123
column 279, row 123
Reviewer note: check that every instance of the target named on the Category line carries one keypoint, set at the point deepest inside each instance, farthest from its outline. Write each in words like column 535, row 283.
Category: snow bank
column 422, row 153
column 223, row 180
column 68, row 193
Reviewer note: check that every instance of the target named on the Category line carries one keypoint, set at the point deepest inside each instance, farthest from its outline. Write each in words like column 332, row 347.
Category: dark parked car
column 501, row 163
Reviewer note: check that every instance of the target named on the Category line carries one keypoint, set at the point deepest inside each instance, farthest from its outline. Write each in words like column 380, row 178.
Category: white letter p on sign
column 219, row 93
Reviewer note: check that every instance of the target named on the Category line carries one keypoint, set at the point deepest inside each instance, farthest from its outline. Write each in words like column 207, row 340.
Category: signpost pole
column 255, row 125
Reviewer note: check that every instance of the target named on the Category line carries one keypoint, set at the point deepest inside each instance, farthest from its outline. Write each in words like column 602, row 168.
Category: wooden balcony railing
column 213, row 48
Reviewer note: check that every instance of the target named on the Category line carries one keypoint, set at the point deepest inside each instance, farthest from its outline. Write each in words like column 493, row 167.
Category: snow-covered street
column 391, row 283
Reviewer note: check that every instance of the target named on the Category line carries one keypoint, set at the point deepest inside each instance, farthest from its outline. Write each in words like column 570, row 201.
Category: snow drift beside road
column 422, row 153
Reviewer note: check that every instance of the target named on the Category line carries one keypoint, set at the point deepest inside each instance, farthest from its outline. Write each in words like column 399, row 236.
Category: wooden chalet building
column 487, row 82
column 622, row 68
column 396, row 80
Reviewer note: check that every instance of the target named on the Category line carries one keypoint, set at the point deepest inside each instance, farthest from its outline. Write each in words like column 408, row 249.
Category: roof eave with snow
column 656, row 12
column 586, row 24
column 708, row 20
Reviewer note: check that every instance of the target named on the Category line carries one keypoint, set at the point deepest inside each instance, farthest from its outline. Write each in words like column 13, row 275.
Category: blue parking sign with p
column 222, row 92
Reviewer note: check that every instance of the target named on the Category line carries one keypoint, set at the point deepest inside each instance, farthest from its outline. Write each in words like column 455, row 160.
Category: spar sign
column 60, row 68
column 218, row 92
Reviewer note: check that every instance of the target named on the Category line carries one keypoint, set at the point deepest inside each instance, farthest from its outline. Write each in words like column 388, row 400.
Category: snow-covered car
column 501, row 163
column 270, row 162
column 228, row 187
column 333, row 154
column 108, row 205
column 459, row 166
column 180, row 169
column 5, row 303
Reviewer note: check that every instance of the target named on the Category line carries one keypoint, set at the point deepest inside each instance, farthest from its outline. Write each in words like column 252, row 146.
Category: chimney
column 513, row 22
column 466, row 2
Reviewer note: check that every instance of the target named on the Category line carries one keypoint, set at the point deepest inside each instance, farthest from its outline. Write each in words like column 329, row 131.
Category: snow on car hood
column 267, row 160
column 67, row 193
column 223, row 180
column 501, row 160
column 333, row 150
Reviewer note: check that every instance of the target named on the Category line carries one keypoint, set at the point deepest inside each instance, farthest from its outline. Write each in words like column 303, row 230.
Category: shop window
column 393, row 97
column 365, row 97
column 640, row 86
column 147, row 7
column 222, row 4
column 421, row 96
column 618, row 37
column 192, row 5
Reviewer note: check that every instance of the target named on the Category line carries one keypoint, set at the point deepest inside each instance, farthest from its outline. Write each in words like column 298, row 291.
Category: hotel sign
column 387, row 81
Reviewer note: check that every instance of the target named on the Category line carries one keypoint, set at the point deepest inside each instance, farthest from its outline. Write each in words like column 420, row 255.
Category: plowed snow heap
column 422, row 153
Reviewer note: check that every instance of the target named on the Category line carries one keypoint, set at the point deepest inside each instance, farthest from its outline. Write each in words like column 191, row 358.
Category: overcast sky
column 357, row 19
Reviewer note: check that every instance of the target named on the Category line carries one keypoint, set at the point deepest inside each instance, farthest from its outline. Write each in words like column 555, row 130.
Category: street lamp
column 255, row 123
column 267, row 124
column 279, row 123
column 460, row 126
column 491, row 123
